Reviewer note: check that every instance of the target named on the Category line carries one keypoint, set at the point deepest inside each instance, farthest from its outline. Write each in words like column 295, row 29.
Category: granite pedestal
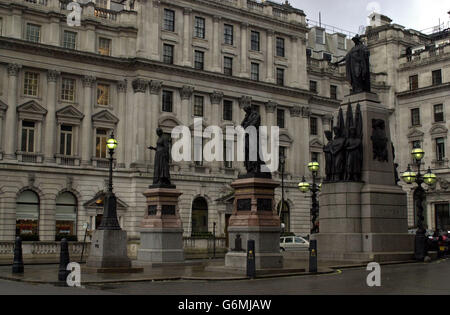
column 254, row 218
column 161, row 229
column 365, row 221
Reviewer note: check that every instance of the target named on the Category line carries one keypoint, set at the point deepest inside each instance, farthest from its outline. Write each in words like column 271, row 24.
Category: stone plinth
column 254, row 218
column 109, row 251
column 365, row 221
column 161, row 229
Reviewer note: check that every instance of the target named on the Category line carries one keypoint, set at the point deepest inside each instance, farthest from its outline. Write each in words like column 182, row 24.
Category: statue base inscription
column 254, row 218
column 161, row 229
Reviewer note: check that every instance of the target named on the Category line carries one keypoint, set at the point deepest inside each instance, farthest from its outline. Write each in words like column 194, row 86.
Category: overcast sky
column 351, row 14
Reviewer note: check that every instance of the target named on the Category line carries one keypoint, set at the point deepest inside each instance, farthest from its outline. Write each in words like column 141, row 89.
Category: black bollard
column 63, row 261
column 251, row 263
column 18, row 258
column 313, row 256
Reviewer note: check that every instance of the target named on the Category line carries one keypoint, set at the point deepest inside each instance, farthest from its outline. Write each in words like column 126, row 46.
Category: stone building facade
column 133, row 66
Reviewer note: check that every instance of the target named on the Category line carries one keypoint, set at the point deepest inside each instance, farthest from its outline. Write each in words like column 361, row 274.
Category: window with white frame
column 28, row 136
column 66, row 140
column 319, row 36
column 169, row 20
column 438, row 112
column 440, row 149
column 341, row 42
column 100, row 143
column 103, row 94
column 69, row 40
column 68, row 89
column 33, row 33
column 104, row 46
column 254, row 71
column 228, row 34
column 199, row 28
column 31, row 83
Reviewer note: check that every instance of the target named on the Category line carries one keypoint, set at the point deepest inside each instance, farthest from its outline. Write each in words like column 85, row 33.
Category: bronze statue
column 161, row 174
column 328, row 156
column 379, row 140
column 252, row 118
column 357, row 66
column 354, row 156
column 339, row 154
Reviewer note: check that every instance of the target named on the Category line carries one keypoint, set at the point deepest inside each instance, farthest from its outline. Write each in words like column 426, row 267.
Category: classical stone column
column 294, row 79
column 187, row 38
column 11, row 113
column 50, row 119
column 216, row 55
column 186, row 112
column 298, row 145
column 271, row 106
column 270, row 60
column 216, row 99
column 244, row 49
column 302, row 74
column 86, row 126
column 140, row 147
column 305, row 155
column 121, row 126
column 154, row 49
column 153, row 111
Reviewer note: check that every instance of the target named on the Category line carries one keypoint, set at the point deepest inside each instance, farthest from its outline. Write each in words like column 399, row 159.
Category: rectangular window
column 313, row 86
column 65, row 144
column 439, row 113
column 319, row 37
column 228, row 34
column 414, row 82
column 437, row 77
column 103, row 94
column 313, row 126
column 169, row 20
column 68, row 89
column 199, row 60
column 104, row 46
column 341, row 42
column 280, row 47
column 168, row 54
column 198, row 151
column 254, row 71
column 31, row 83
column 315, row 156
column 28, row 131
column 440, row 149
column 100, row 143
column 198, row 106
column 333, row 92
column 415, row 117
column 228, row 65
column 442, row 216
column 227, row 110
column 416, row 144
column 167, row 101
column 280, row 76
column 254, row 41
column 280, row 118
column 69, row 40
column 199, row 28
column 33, row 33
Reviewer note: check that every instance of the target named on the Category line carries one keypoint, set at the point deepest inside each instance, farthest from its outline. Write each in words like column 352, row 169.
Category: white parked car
column 293, row 243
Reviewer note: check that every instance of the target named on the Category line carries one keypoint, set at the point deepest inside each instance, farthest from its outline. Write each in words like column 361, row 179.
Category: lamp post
column 419, row 196
column 109, row 219
column 282, row 164
column 304, row 187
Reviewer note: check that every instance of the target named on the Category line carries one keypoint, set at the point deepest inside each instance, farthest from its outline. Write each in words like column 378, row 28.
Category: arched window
column 66, row 217
column 27, row 216
column 199, row 217
column 285, row 216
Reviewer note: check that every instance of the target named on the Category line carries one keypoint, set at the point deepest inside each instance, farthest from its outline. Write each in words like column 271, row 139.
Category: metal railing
column 330, row 28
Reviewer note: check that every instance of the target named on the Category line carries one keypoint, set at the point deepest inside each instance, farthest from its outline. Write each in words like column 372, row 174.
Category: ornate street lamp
column 109, row 220
column 419, row 196
column 304, row 187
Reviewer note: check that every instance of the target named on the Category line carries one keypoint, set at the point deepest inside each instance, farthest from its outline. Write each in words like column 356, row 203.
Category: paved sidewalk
column 193, row 270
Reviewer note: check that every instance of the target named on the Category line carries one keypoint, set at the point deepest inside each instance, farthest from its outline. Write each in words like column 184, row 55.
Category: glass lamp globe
column 429, row 178
column 409, row 176
column 111, row 143
column 314, row 166
column 303, row 186
column 418, row 154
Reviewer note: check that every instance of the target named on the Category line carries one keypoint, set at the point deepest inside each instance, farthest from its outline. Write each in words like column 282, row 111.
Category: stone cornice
column 315, row 99
column 133, row 64
column 424, row 91
column 424, row 62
